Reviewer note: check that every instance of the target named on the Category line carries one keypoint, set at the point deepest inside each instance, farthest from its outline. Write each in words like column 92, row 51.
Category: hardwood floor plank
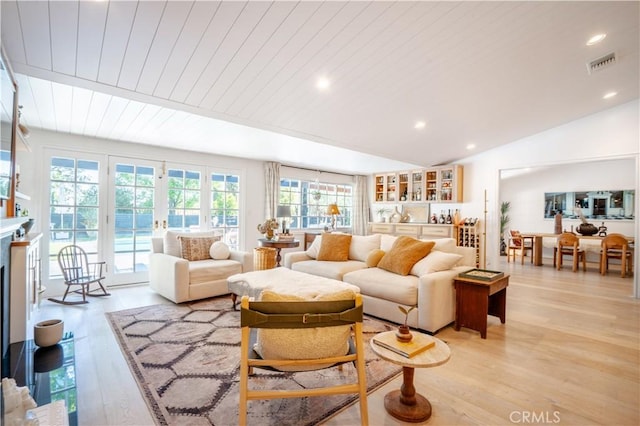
column 570, row 348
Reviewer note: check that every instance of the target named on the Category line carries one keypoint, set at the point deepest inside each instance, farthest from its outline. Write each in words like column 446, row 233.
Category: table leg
column 278, row 258
column 537, row 251
column 405, row 404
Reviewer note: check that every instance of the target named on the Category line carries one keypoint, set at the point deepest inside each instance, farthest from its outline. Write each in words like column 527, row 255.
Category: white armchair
column 180, row 280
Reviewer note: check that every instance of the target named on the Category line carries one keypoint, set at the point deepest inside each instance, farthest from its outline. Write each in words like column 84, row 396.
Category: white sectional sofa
column 429, row 285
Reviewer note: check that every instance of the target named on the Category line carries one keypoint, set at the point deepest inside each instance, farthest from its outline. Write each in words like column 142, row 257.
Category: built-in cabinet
column 434, row 185
column 26, row 285
column 416, row 230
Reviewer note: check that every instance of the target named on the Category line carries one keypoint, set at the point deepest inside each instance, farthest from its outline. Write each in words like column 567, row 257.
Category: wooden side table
column 278, row 245
column 405, row 403
column 475, row 299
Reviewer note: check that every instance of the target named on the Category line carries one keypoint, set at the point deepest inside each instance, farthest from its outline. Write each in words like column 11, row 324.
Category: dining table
column 537, row 238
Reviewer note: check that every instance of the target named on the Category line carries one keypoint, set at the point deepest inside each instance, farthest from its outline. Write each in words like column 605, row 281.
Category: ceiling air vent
column 601, row 63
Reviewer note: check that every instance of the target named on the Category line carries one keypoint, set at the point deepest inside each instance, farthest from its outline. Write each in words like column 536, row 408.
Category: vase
column 269, row 234
column 48, row 333
column 28, row 225
column 403, row 334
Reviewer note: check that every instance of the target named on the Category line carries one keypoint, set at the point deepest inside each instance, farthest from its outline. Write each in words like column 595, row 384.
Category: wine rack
column 468, row 236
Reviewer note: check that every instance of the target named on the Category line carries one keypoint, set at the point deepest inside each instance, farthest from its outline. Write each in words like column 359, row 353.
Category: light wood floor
column 568, row 354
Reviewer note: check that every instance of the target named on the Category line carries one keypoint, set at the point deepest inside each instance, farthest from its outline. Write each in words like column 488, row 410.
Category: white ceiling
column 238, row 78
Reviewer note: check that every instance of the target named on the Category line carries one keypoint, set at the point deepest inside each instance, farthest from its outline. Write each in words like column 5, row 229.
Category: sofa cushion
column 328, row 269
column 386, row 241
column 171, row 243
column 362, row 245
column 196, row 248
column 335, row 247
column 444, row 244
column 318, row 342
column 204, row 271
column 219, row 251
column 434, row 262
column 374, row 258
column 404, row 253
column 314, row 248
column 381, row 284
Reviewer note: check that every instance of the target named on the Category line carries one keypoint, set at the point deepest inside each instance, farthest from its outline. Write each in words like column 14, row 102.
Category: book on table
column 418, row 344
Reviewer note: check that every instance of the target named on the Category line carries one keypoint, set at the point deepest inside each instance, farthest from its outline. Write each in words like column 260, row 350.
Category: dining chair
column 569, row 245
column 517, row 242
column 616, row 246
column 291, row 317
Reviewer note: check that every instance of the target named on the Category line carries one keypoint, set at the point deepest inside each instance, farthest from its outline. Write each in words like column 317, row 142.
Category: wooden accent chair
column 78, row 271
column 616, row 246
column 518, row 242
column 292, row 316
column 568, row 245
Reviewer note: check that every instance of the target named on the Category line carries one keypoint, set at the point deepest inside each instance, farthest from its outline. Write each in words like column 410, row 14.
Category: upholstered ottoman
column 282, row 279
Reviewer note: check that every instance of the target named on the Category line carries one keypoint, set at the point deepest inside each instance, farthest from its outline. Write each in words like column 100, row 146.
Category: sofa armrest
column 437, row 298
column 244, row 257
column 169, row 276
column 295, row 256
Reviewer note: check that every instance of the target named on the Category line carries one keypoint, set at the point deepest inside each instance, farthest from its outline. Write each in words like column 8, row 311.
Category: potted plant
column 268, row 227
column 404, row 334
column 381, row 212
column 504, row 221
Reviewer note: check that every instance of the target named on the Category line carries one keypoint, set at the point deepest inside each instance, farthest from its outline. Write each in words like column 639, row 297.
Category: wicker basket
column 264, row 258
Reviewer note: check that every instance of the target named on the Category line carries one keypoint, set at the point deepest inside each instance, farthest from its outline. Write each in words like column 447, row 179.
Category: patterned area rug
column 186, row 360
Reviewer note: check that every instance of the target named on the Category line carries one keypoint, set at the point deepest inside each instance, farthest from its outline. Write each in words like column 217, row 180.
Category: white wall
column 610, row 134
column 527, row 200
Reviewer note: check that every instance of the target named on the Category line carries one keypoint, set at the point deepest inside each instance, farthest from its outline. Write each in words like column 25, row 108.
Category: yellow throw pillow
column 334, row 247
column 374, row 258
column 404, row 253
column 196, row 248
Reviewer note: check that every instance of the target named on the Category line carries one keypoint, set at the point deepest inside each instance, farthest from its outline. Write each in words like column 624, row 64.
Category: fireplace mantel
column 8, row 225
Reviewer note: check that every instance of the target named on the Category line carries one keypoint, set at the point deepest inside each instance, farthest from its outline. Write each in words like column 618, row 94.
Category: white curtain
column 271, row 188
column 360, row 207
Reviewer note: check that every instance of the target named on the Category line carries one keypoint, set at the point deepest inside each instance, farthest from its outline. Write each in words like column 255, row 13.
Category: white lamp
column 284, row 212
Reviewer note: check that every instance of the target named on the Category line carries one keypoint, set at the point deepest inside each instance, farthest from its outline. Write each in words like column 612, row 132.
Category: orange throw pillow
column 405, row 253
column 334, row 247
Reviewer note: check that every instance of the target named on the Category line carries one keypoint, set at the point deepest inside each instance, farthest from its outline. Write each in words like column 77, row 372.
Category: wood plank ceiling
column 239, row 78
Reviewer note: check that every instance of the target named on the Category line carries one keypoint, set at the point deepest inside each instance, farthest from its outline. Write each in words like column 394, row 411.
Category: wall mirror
column 7, row 127
column 601, row 204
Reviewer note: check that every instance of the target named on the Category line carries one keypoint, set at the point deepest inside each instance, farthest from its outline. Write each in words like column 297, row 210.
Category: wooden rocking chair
column 78, row 271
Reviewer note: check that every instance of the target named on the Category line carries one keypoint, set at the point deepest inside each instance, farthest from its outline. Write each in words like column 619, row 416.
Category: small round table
column 405, row 403
column 278, row 245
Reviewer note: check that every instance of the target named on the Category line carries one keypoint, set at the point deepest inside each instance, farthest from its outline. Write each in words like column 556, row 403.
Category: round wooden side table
column 278, row 245
column 405, row 403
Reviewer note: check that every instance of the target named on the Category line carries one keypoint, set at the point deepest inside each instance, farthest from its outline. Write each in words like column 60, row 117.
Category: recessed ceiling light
column 471, row 146
column 596, row 39
column 420, row 125
column 609, row 95
column 323, row 83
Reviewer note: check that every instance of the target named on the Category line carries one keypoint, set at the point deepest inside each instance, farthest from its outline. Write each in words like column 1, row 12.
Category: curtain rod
column 316, row 170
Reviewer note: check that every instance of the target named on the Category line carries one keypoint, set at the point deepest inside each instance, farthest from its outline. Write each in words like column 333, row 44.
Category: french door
column 145, row 199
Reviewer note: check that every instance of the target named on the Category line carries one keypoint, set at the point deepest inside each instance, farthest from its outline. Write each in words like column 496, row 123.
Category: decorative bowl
column 48, row 333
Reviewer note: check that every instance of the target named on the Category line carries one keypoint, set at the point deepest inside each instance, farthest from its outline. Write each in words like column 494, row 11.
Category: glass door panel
column 135, row 194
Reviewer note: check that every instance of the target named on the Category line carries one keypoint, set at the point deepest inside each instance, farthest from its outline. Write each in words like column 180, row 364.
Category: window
column 225, row 207
column 309, row 201
column 184, row 199
column 73, row 204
